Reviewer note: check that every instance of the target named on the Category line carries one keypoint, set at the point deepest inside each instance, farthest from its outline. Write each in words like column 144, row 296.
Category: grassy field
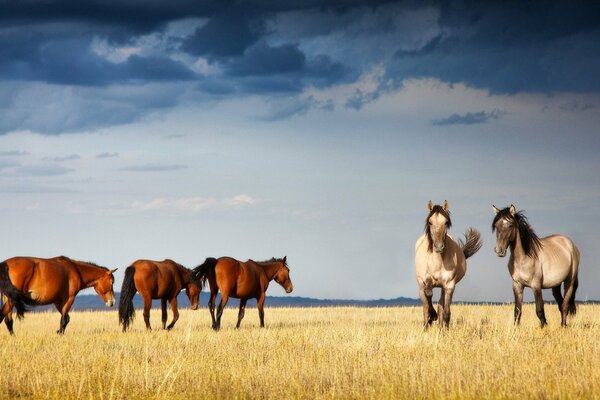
column 306, row 353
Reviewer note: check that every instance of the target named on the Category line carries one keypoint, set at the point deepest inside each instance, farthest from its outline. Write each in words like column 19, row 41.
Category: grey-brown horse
column 441, row 262
column 538, row 263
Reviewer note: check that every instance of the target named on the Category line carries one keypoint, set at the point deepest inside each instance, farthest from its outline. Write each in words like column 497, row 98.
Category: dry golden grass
column 349, row 353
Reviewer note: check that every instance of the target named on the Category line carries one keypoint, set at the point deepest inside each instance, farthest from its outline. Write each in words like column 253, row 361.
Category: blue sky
column 316, row 130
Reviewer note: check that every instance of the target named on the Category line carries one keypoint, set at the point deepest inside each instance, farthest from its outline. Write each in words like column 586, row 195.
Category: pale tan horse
column 538, row 263
column 441, row 262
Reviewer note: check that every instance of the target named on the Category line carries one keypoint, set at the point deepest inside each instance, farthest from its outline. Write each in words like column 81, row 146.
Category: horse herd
column 538, row 263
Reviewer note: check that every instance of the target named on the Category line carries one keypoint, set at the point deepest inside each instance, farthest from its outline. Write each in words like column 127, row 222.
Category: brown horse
column 41, row 281
column 242, row 280
column 156, row 280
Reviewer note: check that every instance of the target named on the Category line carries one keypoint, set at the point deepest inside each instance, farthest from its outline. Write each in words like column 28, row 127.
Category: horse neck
column 88, row 272
column 270, row 268
column 185, row 274
column 516, row 247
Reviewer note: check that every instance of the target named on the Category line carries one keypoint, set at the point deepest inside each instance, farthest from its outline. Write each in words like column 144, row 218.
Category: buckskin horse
column 156, row 280
column 242, row 280
column 40, row 281
column 441, row 262
column 538, row 263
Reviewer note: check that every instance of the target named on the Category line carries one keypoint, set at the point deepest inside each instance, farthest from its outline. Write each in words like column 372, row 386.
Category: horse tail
column 575, row 261
column 202, row 271
column 472, row 243
column 16, row 297
column 126, row 310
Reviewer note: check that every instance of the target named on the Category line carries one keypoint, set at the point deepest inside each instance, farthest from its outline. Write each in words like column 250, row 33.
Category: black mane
column 530, row 241
column 436, row 209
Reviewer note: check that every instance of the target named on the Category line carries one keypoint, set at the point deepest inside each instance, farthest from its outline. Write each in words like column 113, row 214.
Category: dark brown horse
column 156, row 280
column 41, row 281
column 242, row 280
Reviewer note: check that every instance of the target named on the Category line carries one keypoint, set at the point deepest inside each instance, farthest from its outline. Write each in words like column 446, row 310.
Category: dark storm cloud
column 511, row 47
column 107, row 155
column 274, row 48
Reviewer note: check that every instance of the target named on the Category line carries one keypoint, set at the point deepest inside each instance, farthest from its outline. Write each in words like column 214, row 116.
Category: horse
column 242, row 280
column 537, row 263
column 441, row 262
column 156, row 280
column 41, row 281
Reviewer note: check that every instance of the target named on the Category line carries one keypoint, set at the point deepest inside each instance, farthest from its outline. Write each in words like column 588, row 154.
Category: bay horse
column 156, row 280
column 41, row 281
column 441, row 262
column 242, row 280
column 537, row 263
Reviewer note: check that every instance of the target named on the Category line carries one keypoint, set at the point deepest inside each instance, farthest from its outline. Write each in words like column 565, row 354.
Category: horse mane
column 186, row 270
column 530, row 241
column 271, row 260
column 436, row 209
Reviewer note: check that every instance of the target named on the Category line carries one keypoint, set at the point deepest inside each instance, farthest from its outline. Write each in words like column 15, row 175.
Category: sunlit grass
column 305, row 353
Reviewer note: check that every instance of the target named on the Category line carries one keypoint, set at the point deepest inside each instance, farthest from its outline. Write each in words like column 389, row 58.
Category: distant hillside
column 93, row 302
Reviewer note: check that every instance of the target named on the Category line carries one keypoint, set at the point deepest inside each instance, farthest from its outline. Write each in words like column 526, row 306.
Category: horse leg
column 261, row 311
column 442, row 306
column 241, row 312
column 222, row 304
column 211, row 305
column 558, row 297
column 447, row 295
column 429, row 314
column 7, row 315
column 569, row 292
column 173, row 303
column 539, row 306
column 64, row 311
column 163, row 309
column 147, row 305
column 518, row 291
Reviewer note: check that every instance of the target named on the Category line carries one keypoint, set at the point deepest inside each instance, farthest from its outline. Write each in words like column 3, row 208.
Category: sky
column 316, row 130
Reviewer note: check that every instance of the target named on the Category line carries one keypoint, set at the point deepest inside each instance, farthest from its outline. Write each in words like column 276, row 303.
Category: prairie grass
column 306, row 353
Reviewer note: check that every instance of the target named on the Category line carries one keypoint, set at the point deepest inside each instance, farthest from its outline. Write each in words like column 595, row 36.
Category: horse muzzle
column 500, row 253
column 439, row 248
column 290, row 289
column 110, row 303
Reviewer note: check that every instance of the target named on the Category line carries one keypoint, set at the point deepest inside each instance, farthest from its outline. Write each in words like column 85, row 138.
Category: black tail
column 201, row 271
column 572, row 305
column 17, row 298
column 126, row 310
column 473, row 242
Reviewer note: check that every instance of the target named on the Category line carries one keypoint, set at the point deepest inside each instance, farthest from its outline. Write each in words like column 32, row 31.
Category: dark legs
column 261, row 311
column 6, row 314
column 222, row 304
column 444, row 309
column 518, row 291
column 241, row 312
column 539, row 306
column 568, row 305
column 558, row 297
column 64, row 311
column 175, row 313
column 429, row 314
column 211, row 305
column 147, row 305
column 163, row 310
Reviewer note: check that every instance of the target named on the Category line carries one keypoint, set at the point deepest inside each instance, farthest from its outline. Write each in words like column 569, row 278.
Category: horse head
column 192, row 290
column 436, row 226
column 282, row 276
column 506, row 227
column 104, row 287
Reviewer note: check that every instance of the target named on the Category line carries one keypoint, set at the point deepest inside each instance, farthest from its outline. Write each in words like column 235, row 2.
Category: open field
column 306, row 353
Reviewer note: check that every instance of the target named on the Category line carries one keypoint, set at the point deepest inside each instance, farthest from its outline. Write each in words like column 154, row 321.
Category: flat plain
column 306, row 353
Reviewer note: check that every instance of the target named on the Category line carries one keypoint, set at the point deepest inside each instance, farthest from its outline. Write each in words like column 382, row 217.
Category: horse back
column 159, row 279
column 239, row 279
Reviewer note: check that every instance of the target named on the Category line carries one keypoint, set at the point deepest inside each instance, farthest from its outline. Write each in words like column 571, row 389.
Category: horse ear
column 429, row 206
column 112, row 271
column 496, row 209
column 284, row 259
column 445, row 205
column 512, row 210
